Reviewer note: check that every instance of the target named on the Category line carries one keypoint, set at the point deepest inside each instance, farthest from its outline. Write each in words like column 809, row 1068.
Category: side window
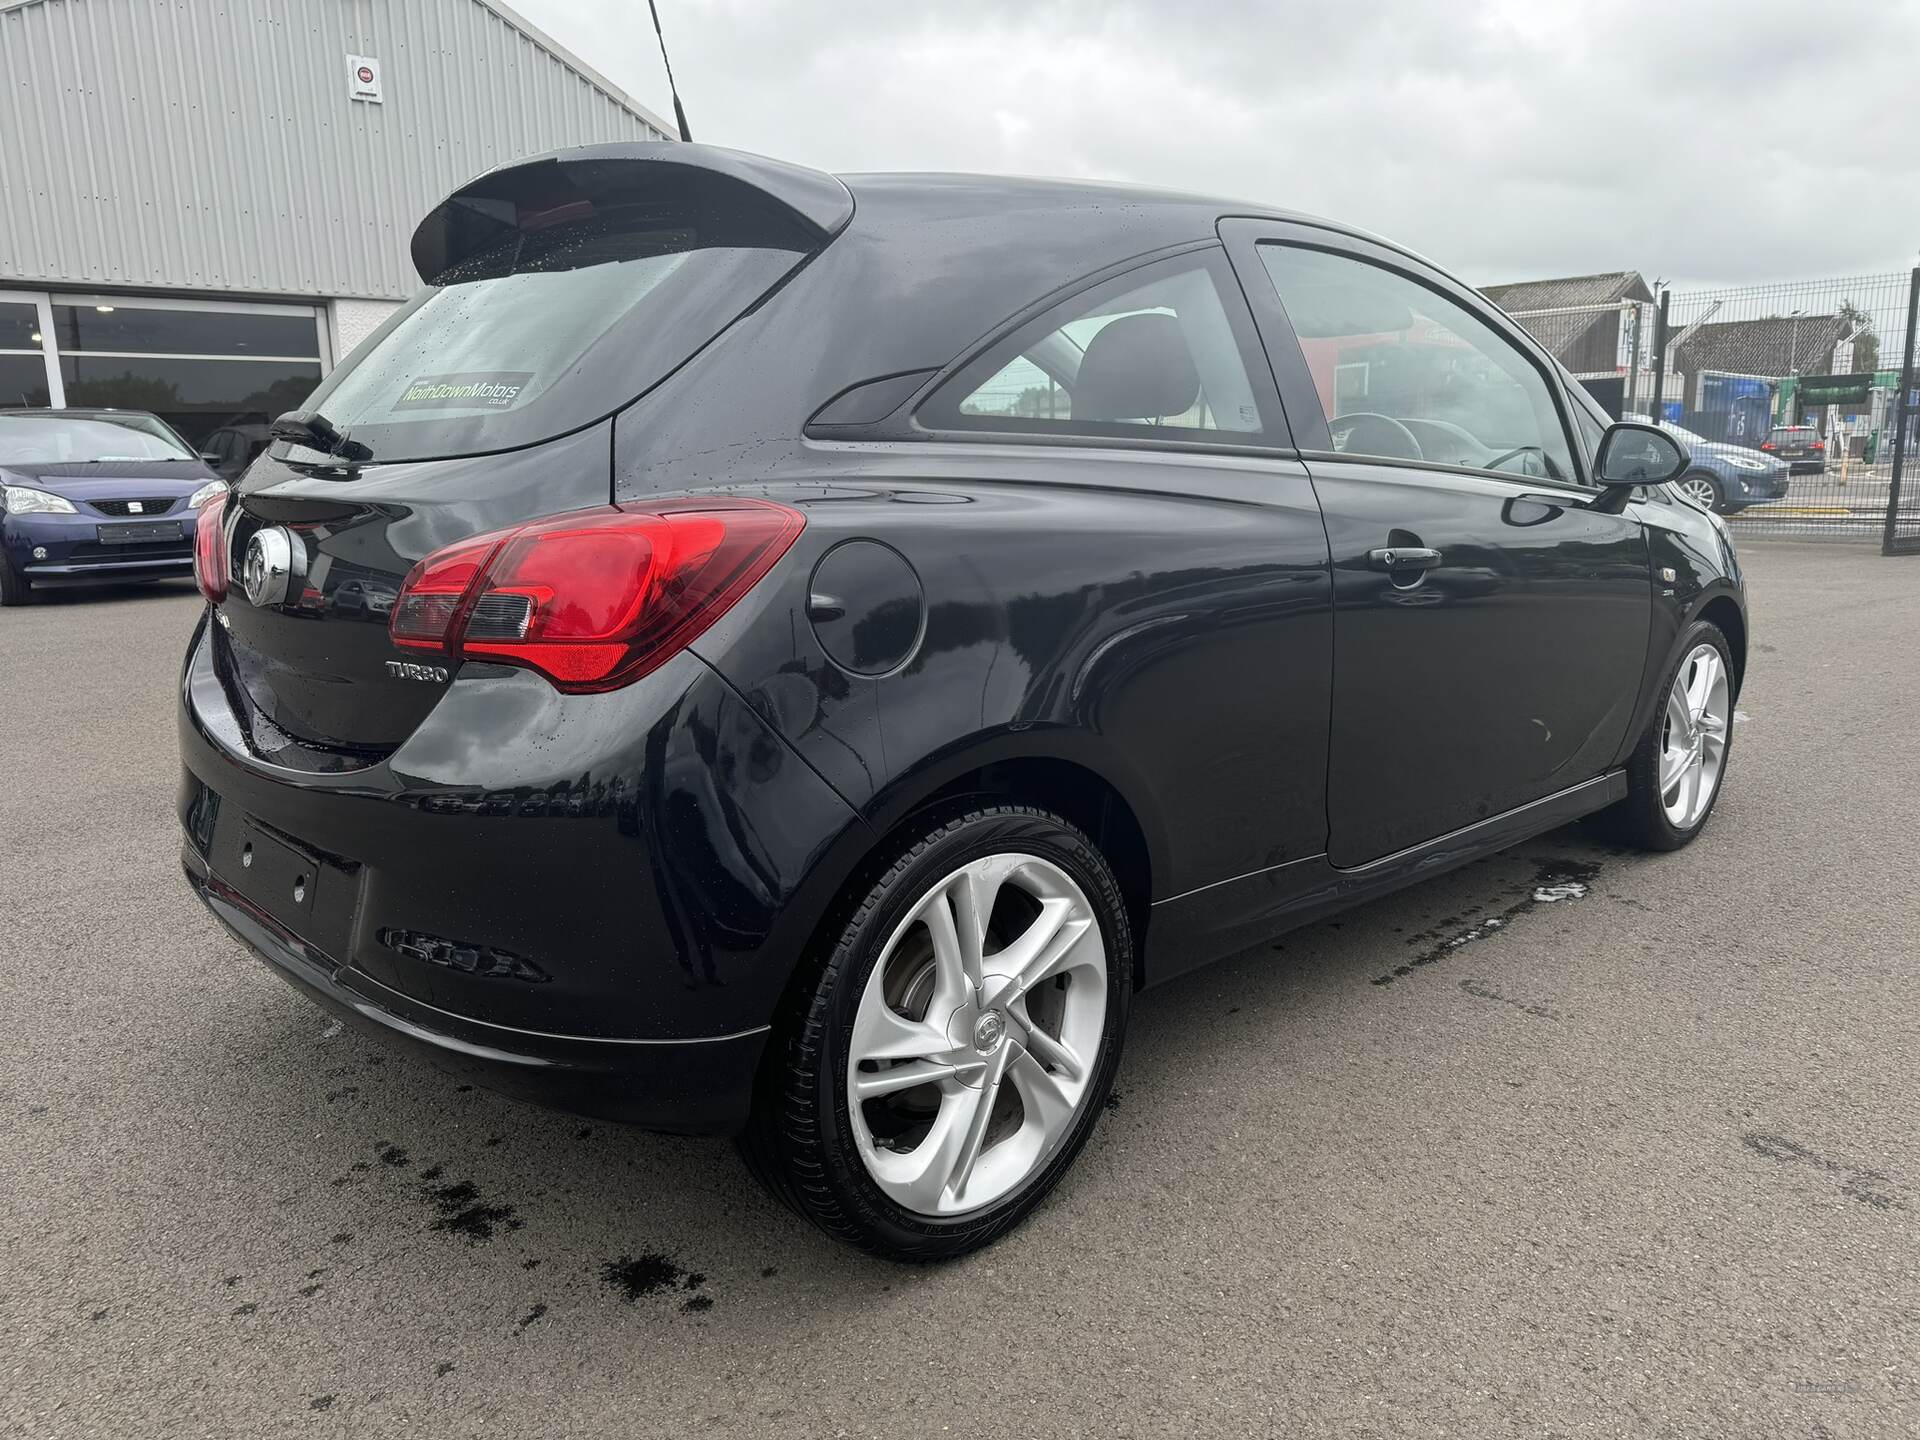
column 1403, row 373
column 1159, row 356
column 1591, row 432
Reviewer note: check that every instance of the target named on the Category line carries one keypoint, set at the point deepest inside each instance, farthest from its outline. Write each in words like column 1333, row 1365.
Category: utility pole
column 1891, row 541
column 1659, row 407
column 1790, row 415
column 1633, row 308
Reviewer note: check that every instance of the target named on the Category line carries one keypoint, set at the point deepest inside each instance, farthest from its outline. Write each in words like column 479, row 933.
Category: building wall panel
column 212, row 144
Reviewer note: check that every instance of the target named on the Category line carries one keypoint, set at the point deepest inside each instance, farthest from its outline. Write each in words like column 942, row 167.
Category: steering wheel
column 1551, row 470
column 1380, row 435
column 1506, row 455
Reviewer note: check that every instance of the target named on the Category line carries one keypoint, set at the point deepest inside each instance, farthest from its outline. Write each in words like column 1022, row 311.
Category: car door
column 1174, row 590
column 1490, row 628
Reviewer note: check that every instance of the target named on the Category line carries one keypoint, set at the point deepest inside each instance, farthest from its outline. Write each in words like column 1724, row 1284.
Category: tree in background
column 1866, row 341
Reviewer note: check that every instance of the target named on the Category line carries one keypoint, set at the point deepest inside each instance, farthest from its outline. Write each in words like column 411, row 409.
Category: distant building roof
column 1577, row 319
column 1610, row 289
column 1775, row 345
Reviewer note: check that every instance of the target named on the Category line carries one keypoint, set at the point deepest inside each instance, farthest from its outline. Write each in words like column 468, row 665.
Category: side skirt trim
column 1229, row 916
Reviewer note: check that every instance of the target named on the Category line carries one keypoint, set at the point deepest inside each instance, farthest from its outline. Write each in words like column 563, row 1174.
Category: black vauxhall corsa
column 749, row 651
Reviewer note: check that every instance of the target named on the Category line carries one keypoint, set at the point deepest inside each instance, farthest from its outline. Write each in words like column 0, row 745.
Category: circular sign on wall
column 363, row 78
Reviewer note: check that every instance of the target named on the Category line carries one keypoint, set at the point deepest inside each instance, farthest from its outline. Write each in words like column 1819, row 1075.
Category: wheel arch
column 1047, row 769
column 1081, row 796
column 1725, row 612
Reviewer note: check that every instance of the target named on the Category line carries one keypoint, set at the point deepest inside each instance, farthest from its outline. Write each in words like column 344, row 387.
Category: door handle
column 1403, row 557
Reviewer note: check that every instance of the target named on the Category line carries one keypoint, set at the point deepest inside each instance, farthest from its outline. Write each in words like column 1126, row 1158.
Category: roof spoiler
column 546, row 189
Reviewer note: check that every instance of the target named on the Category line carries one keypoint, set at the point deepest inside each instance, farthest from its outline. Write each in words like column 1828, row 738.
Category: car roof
column 938, row 189
column 829, row 204
column 75, row 411
column 819, row 198
column 1147, row 212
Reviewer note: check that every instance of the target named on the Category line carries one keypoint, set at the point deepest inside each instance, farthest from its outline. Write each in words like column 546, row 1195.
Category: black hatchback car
column 1800, row 446
column 757, row 652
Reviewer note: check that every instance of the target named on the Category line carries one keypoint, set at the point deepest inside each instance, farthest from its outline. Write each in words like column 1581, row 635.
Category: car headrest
column 1136, row 368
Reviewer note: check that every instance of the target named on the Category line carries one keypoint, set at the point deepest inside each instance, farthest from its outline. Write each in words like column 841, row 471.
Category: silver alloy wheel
column 977, row 1034
column 1698, row 489
column 1693, row 738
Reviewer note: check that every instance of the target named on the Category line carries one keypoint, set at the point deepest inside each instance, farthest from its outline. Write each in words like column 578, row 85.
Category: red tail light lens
column 596, row 599
column 429, row 602
column 1768, row 445
column 1819, row 445
column 210, row 549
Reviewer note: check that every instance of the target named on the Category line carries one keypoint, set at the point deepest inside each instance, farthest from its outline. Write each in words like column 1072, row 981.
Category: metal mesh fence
column 1804, row 376
column 1787, row 396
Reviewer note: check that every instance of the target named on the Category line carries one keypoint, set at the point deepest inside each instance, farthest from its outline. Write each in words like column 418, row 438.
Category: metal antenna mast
column 672, row 89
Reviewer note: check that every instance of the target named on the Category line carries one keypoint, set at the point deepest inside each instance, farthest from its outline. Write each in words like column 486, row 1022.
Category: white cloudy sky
column 1704, row 141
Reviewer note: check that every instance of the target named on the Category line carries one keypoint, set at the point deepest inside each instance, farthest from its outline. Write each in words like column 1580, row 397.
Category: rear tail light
column 1768, row 445
column 1819, row 445
column 595, row 599
column 210, row 549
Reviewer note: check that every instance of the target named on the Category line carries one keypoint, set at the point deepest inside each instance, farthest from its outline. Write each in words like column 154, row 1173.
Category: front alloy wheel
column 942, row 1071
column 1702, row 490
column 1675, row 771
column 1693, row 740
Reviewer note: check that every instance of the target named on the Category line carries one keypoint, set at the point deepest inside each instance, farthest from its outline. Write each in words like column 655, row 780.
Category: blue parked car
column 95, row 495
column 1725, row 477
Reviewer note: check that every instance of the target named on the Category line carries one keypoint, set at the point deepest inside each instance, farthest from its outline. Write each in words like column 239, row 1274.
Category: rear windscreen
column 556, row 310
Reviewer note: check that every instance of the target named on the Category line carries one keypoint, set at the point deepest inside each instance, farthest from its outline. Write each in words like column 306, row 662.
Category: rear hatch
column 558, row 292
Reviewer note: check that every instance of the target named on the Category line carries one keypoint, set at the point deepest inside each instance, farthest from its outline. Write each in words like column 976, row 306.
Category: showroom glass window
column 202, row 369
column 23, row 364
column 1404, row 373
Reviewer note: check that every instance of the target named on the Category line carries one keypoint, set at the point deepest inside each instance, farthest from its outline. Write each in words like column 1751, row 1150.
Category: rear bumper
column 593, row 902
column 692, row 1086
column 54, row 547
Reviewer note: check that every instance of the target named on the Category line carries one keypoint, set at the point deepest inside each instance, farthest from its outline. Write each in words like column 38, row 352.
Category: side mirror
column 1632, row 455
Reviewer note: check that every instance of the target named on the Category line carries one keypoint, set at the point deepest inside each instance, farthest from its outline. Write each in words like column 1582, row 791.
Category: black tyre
column 15, row 588
column 940, row 1071
column 1675, row 772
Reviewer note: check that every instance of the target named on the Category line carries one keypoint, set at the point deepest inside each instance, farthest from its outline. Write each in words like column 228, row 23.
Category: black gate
column 1902, row 533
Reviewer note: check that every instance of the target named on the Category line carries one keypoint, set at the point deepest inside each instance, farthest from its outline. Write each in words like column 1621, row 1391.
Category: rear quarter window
column 1158, row 353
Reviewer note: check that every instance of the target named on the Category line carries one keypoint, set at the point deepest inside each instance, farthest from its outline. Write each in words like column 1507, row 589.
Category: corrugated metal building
column 203, row 205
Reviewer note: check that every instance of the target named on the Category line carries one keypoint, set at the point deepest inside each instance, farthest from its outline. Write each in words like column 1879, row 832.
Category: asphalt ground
column 1639, row 1161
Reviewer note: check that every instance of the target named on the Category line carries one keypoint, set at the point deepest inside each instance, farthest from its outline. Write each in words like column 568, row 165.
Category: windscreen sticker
column 476, row 390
